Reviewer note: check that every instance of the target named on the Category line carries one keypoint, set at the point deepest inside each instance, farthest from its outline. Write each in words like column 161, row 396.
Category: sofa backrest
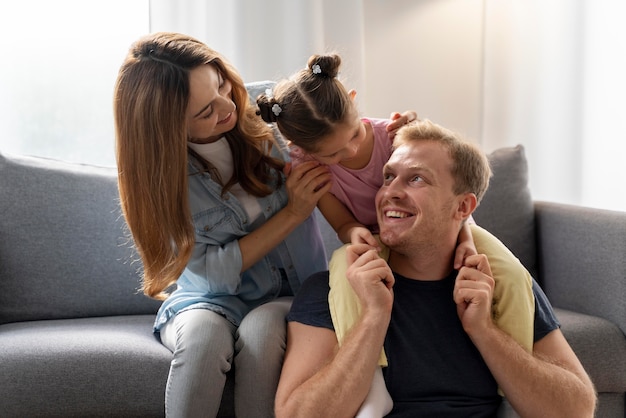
column 64, row 249
column 507, row 209
column 64, row 252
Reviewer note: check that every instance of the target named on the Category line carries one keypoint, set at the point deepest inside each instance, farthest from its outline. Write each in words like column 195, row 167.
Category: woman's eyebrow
column 219, row 77
column 202, row 110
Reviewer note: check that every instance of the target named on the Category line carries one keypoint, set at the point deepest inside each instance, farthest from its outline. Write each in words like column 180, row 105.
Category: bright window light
column 60, row 60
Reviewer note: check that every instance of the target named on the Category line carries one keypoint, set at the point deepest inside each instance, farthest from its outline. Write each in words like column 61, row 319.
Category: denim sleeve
column 216, row 268
column 545, row 319
column 310, row 306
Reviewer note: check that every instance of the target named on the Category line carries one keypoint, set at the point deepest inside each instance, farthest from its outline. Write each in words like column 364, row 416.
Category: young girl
column 315, row 112
column 223, row 233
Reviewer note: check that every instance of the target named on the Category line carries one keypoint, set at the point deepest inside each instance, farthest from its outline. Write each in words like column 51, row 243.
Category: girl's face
column 211, row 110
column 343, row 144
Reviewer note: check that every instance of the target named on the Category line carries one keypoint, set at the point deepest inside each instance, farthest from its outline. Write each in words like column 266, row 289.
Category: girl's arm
column 348, row 229
column 399, row 120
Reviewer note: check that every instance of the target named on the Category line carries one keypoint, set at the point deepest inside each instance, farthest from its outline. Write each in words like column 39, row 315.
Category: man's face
column 416, row 206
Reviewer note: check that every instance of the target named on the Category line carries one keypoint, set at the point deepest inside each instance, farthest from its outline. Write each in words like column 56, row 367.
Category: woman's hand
column 306, row 184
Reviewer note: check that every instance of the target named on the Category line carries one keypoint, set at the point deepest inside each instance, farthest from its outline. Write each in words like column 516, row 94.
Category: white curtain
column 604, row 104
column 548, row 74
column 533, row 89
column 268, row 39
column 60, row 60
column 554, row 81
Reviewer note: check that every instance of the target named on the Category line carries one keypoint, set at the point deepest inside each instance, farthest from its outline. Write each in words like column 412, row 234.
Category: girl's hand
column 399, row 120
column 305, row 184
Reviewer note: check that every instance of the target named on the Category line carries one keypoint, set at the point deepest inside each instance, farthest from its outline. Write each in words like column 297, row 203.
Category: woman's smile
column 226, row 119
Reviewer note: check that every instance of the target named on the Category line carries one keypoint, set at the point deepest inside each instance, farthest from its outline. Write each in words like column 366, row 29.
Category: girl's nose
column 351, row 151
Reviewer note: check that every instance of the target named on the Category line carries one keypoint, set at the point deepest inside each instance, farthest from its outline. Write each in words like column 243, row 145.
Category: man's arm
column 319, row 378
column 550, row 382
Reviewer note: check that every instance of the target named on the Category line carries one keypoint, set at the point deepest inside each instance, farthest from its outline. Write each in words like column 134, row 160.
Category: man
column 446, row 356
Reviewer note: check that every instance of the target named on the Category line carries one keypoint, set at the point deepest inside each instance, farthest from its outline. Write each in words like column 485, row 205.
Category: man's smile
column 396, row 214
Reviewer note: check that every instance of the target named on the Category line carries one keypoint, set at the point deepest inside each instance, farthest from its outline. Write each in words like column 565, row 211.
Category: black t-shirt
column 434, row 368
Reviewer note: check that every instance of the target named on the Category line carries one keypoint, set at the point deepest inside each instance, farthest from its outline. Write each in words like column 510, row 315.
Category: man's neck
column 428, row 265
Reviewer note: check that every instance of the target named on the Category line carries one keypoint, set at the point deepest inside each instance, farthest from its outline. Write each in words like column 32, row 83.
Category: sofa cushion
column 64, row 252
column 507, row 209
column 83, row 367
column 597, row 342
column 583, row 259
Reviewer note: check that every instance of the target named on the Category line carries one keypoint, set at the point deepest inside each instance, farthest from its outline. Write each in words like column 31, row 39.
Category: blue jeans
column 205, row 344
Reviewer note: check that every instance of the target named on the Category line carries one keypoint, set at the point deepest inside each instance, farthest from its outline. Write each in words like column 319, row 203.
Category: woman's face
column 211, row 111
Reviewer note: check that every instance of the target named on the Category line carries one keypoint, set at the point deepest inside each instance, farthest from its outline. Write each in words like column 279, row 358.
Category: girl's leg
column 260, row 347
column 378, row 402
column 202, row 342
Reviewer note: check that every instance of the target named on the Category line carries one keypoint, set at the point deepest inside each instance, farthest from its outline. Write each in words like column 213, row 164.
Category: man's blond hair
column 470, row 166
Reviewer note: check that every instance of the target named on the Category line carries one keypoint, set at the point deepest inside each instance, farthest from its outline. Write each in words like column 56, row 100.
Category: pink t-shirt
column 357, row 188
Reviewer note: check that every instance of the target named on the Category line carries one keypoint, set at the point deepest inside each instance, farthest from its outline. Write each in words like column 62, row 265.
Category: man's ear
column 467, row 203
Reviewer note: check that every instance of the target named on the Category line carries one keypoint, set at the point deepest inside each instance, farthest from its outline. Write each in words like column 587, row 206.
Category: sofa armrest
column 582, row 259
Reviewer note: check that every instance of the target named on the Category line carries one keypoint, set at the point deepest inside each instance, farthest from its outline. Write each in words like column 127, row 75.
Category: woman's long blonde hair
column 150, row 103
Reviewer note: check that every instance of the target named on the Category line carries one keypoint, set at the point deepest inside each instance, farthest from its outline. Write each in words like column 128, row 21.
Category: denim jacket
column 212, row 278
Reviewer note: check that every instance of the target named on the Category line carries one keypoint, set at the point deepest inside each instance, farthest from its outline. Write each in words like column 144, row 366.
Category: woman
column 222, row 230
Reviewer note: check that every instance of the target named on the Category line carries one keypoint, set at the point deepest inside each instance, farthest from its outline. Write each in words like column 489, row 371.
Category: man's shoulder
column 310, row 306
column 314, row 289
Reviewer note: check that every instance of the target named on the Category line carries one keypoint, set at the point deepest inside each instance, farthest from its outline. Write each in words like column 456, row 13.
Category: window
column 59, row 64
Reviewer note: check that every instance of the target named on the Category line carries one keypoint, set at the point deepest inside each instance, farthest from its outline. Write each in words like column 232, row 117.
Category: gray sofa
column 75, row 332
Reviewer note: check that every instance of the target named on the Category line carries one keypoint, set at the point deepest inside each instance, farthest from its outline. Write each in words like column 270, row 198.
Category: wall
column 425, row 55
column 545, row 74
column 533, row 89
